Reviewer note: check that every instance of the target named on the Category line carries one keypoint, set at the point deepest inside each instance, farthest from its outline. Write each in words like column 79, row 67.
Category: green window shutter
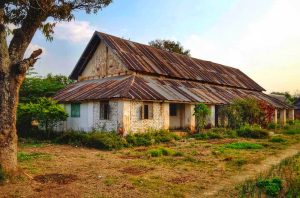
column 75, row 110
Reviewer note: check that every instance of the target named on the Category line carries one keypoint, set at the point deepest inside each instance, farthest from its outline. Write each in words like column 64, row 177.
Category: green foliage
column 150, row 137
column 271, row 186
column 46, row 112
column 36, row 87
column 206, row 136
column 201, row 111
column 254, row 131
column 99, row 140
column 272, row 125
column 240, row 112
column 163, row 152
column 278, row 139
column 22, row 156
column 170, row 46
column 292, row 131
column 243, row 145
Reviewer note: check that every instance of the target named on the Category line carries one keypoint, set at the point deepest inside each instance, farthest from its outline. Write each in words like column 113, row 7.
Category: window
column 75, row 110
column 104, row 110
column 147, row 111
column 173, row 109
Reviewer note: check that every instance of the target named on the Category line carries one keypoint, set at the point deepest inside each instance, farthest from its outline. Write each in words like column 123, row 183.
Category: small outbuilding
column 297, row 109
column 126, row 86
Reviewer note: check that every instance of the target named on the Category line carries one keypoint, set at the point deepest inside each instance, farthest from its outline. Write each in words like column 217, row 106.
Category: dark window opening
column 104, row 110
column 147, row 111
column 173, row 109
column 75, row 110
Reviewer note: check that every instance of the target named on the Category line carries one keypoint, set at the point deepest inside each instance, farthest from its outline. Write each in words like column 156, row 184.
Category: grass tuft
column 243, row 145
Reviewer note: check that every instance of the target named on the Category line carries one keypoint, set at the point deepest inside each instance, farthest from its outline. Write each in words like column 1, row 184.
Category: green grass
column 243, row 145
column 163, row 152
column 22, row 156
column 278, row 140
column 110, row 181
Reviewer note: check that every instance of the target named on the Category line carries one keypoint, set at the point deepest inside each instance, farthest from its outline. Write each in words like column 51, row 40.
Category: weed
column 243, row 145
column 163, row 152
column 22, row 156
column 292, row 131
column 110, row 181
column 278, row 139
column 252, row 132
column 271, row 186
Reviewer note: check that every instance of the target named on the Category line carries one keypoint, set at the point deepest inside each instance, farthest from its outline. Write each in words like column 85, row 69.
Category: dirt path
column 251, row 171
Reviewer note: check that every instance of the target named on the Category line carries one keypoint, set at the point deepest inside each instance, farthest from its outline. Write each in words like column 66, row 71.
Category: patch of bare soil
column 130, row 157
column 182, row 179
column 61, row 179
column 135, row 170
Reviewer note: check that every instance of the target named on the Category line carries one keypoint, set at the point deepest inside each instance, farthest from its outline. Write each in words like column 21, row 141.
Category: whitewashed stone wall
column 140, row 125
column 106, row 125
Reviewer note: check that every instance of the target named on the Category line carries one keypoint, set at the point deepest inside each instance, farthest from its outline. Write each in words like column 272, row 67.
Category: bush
column 271, row 186
column 206, row 136
column 272, row 125
column 150, row 138
column 252, row 132
column 292, row 131
column 99, row 140
column 277, row 139
column 163, row 152
column 243, row 145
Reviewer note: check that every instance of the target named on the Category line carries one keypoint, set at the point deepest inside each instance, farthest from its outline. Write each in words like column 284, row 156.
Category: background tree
column 27, row 16
column 170, row 46
column 47, row 112
column 35, row 87
column 201, row 112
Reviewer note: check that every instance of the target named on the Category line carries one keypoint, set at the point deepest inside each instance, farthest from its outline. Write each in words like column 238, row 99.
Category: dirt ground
column 203, row 169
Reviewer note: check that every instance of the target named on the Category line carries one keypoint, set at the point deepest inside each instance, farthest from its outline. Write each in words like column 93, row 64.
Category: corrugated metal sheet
column 142, row 87
column 145, row 59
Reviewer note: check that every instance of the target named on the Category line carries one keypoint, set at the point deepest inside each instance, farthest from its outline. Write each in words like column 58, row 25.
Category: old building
column 128, row 87
column 297, row 109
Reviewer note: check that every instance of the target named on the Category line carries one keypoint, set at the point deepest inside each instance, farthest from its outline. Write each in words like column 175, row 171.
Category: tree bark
column 9, row 89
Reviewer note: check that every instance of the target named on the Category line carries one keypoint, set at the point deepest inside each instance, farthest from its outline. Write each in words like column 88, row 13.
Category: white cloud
column 267, row 48
column 74, row 31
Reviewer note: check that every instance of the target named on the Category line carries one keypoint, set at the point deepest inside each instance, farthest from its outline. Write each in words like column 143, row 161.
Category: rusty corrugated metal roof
column 145, row 59
column 145, row 87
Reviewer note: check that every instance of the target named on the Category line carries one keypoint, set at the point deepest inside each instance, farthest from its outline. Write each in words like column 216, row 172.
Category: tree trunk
column 9, row 88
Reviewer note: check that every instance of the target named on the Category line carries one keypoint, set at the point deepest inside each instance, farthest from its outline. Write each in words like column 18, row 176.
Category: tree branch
column 23, row 66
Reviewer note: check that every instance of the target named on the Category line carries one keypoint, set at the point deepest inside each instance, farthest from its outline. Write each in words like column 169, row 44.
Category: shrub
column 277, row 139
column 272, row 125
column 243, row 145
column 201, row 111
column 292, row 131
column 271, row 186
column 99, row 140
column 252, row 132
column 150, row 137
column 163, row 152
column 206, row 136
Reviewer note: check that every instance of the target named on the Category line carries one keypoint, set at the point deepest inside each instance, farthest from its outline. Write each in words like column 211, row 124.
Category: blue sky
column 260, row 37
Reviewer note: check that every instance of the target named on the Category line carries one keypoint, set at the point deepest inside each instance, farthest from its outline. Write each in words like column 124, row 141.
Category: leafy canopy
column 170, row 46
column 35, row 87
column 201, row 111
column 24, row 12
column 46, row 112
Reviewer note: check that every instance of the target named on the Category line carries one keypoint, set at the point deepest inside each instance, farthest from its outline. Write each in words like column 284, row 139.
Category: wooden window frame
column 75, row 107
column 104, row 110
column 146, row 112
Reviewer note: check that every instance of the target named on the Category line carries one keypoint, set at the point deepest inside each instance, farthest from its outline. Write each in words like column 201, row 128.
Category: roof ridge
column 176, row 53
